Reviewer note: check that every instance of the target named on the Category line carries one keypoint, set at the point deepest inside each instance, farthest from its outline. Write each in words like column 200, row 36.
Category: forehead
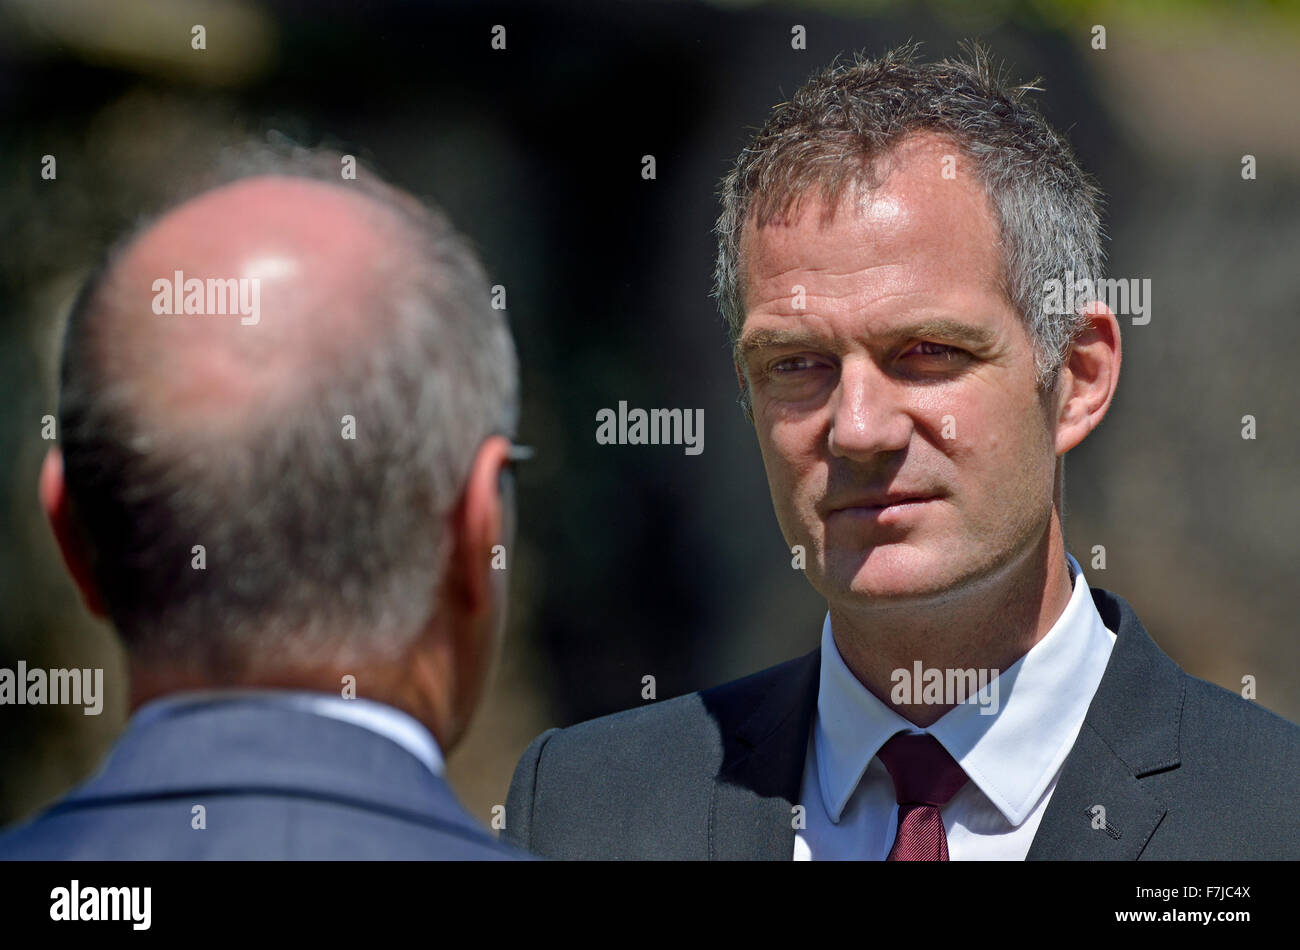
column 928, row 229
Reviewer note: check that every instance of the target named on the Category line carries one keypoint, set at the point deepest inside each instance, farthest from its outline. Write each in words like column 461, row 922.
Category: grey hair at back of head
column 318, row 549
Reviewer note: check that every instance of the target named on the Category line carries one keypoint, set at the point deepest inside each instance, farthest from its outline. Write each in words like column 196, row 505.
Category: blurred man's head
column 307, row 493
column 884, row 245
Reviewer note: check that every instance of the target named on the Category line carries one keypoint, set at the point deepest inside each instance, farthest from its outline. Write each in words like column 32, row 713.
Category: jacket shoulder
column 1225, row 725
column 638, row 783
column 673, row 723
column 244, row 827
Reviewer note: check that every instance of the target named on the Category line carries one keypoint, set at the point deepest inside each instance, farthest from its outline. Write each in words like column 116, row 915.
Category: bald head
column 315, row 257
column 309, row 458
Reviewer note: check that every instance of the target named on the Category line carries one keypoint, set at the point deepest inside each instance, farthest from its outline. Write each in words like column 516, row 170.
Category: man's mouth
column 886, row 508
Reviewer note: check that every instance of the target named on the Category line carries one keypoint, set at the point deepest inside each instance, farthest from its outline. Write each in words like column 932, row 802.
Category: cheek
column 1009, row 465
column 790, row 458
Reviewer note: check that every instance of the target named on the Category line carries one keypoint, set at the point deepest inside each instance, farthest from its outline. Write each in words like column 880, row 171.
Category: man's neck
column 988, row 626
column 393, row 685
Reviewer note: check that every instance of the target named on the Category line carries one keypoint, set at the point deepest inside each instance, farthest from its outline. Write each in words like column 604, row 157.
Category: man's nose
column 867, row 413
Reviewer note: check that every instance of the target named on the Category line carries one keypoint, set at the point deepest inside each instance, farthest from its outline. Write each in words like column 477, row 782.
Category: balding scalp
column 312, row 457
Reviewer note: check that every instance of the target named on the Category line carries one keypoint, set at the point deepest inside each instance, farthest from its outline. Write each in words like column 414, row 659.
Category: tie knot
column 923, row 771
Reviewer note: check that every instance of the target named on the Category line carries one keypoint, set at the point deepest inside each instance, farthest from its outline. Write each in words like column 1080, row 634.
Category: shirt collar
column 380, row 718
column 1011, row 755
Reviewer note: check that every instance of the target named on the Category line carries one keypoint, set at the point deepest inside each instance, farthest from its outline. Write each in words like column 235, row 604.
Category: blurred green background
column 633, row 560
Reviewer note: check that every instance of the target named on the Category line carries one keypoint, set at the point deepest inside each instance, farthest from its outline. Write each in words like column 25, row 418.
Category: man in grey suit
column 286, row 414
column 888, row 247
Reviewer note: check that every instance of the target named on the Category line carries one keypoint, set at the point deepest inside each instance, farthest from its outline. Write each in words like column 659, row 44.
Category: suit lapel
column 1131, row 731
column 757, row 785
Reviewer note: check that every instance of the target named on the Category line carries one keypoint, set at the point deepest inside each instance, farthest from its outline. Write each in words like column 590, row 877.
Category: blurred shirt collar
column 379, row 718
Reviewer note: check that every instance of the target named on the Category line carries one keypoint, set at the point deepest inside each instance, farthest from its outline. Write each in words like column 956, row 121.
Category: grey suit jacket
column 1184, row 769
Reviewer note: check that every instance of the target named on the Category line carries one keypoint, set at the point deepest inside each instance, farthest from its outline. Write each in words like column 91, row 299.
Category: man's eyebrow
column 967, row 334
column 767, row 339
column 943, row 328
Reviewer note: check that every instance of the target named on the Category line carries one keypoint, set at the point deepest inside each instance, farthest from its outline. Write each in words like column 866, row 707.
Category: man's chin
column 884, row 580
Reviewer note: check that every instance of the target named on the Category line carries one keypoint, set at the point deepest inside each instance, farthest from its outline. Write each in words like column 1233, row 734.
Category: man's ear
column 53, row 493
column 1088, row 378
column 479, row 525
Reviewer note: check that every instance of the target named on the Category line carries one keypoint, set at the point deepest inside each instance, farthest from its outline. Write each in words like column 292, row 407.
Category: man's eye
column 936, row 349
column 792, row 364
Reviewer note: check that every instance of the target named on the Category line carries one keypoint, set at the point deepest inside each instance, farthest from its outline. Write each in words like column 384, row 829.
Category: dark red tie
column 925, row 777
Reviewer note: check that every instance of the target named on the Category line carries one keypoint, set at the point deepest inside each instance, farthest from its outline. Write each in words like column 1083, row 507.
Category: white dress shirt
column 1013, row 757
column 379, row 718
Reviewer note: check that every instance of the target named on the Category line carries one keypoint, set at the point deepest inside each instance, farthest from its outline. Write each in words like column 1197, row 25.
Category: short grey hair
column 846, row 116
column 318, row 549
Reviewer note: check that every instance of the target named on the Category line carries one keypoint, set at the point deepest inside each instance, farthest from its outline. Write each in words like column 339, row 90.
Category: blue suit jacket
column 274, row 783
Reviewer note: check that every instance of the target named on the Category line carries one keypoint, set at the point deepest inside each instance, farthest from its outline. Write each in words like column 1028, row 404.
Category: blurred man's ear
column 54, row 499
column 479, row 525
column 457, row 669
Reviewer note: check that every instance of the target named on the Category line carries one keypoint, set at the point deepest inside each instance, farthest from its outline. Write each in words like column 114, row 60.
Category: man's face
column 901, row 369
